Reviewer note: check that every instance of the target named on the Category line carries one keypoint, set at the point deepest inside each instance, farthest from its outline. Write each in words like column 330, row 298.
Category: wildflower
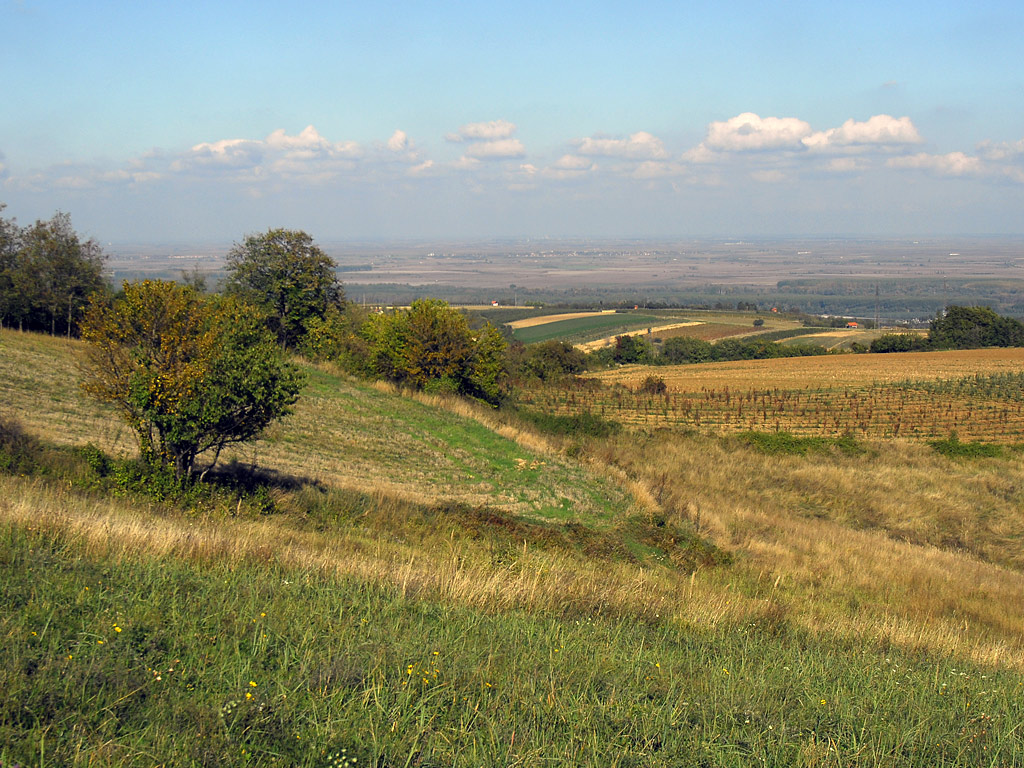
column 252, row 684
column 117, row 628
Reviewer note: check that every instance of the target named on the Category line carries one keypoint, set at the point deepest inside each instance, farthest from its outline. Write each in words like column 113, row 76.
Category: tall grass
column 130, row 658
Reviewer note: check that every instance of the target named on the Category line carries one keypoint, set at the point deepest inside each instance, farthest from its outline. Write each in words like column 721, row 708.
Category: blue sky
column 194, row 121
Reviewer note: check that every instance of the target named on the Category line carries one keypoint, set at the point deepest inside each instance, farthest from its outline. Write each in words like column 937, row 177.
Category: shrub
column 188, row 374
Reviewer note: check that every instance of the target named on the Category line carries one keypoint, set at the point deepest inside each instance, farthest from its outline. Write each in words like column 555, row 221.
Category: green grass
column 586, row 328
column 787, row 443
column 954, row 449
column 134, row 660
column 344, row 433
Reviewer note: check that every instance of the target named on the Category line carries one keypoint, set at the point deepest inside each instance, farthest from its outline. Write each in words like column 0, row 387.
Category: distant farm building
column 852, row 324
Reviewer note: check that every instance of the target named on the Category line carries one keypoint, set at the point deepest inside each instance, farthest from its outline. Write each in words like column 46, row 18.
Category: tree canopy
column 431, row 346
column 47, row 273
column 188, row 373
column 973, row 327
column 286, row 275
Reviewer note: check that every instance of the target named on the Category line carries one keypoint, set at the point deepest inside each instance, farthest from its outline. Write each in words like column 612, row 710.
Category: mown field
column 427, row 583
column 592, row 330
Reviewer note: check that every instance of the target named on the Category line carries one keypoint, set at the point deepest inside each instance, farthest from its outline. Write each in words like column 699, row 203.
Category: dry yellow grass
column 823, row 371
column 899, row 546
column 903, row 546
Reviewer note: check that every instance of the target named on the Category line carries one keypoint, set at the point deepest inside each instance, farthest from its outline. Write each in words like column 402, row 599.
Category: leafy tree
column 47, row 273
column 974, row 327
column 431, row 346
column 188, row 373
column 287, row 276
column 685, row 349
column 898, row 342
column 548, row 360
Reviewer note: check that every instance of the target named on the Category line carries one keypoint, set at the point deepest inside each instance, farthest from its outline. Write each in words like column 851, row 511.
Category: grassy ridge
column 122, row 659
column 868, row 613
column 343, row 433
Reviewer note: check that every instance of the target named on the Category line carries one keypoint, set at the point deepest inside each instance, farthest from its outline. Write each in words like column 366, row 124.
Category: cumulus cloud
column 490, row 131
column 487, row 141
column 305, row 153
column 573, row 163
column 878, row 130
column 422, row 168
column 750, row 132
column 639, row 146
column 399, row 141
column 569, row 167
column 1003, row 150
column 950, row 164
column 501, row 149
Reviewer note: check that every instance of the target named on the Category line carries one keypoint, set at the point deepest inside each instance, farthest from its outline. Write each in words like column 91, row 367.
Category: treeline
column 957, row 328
column 47, row 274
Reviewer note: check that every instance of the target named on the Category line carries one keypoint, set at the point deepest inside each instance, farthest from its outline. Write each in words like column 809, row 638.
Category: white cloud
column 639, row 146
column 569, row 167
column 573, row 163
column 501, row 149
column 422, row 168
column 491, row 131
column 466, row 163
column 878, row 130
column 399, row 141
column 700, row 154
column 747, row 132
column 1003, row 150
column 951, row 164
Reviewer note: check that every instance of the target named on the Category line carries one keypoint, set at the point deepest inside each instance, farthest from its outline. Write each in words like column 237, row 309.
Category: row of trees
column 958, row 328
column 47, row 274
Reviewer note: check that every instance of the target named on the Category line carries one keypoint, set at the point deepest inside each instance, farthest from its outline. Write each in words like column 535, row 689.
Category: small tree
column 189, row 374
column 431, row 346
column 288, row 277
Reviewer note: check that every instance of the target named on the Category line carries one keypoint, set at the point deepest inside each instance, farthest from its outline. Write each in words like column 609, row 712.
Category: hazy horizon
column 398, row 121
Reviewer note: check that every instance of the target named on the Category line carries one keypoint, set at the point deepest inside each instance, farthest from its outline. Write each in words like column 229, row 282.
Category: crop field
column 977, row 395
column 585, row 328
column 839, row 338
column 706, row 331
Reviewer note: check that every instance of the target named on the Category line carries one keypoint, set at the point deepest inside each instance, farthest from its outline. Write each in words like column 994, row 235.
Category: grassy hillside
column 420, row 582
